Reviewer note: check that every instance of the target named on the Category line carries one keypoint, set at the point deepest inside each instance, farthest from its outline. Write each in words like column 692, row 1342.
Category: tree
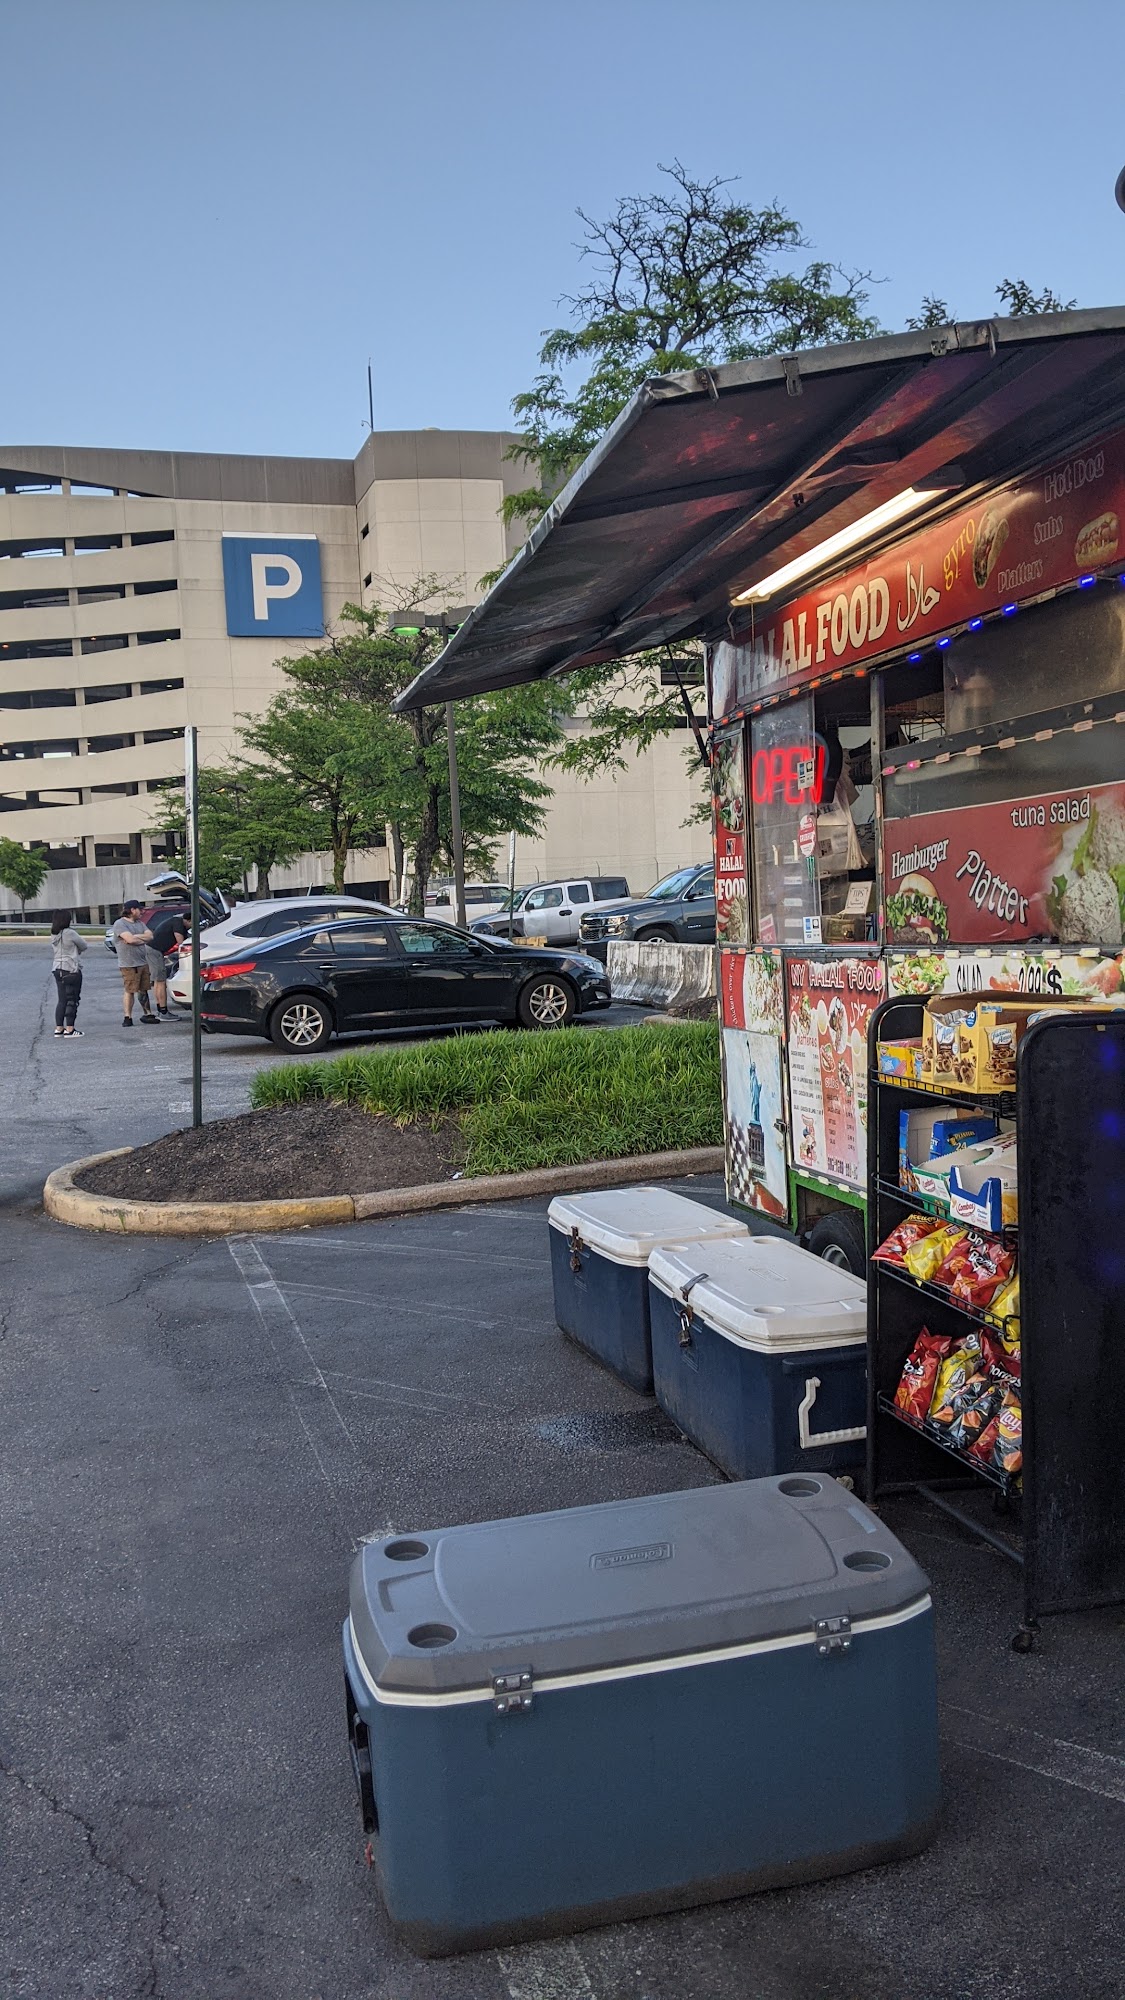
column 335, row 755
column 499, row 736
column 684, row 277
column 1015, row 295
column 23, row 870
column 249, row 817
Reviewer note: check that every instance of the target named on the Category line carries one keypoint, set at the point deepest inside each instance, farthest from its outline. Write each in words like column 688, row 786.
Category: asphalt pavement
column 61, row 1100
column 195, row 1437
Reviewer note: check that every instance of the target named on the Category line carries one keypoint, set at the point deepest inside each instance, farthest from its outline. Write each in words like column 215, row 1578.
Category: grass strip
column 528, row 1099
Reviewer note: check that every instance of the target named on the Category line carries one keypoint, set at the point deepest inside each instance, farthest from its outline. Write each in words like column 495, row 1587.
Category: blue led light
column 975, row 624
column 1009, row 610
column 913, row 658
column 945, row 642
column 1084, row 582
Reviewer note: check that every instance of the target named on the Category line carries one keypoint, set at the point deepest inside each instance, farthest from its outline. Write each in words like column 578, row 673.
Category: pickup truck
column 680, row 908
column 554, row 910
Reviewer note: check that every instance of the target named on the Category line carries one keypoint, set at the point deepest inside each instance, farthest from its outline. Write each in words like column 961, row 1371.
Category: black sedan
column 357, row 976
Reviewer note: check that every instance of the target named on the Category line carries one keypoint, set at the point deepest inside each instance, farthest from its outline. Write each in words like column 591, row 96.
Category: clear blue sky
column 215, row 210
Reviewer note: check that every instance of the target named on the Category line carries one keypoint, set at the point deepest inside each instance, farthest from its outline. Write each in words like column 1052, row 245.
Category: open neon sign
column 794, row 775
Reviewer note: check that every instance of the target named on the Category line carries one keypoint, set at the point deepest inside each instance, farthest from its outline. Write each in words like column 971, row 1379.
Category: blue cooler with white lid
column 759, row 1354
column 570, row 1718
column 600, row 1245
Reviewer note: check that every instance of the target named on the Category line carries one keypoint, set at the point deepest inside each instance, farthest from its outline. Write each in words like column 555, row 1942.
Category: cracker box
column 927, row 1134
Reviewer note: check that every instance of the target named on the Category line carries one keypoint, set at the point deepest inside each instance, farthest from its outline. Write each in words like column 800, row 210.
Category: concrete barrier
column 662, row 974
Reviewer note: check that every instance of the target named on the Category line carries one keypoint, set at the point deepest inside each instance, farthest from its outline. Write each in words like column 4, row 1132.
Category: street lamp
column 1119, row 190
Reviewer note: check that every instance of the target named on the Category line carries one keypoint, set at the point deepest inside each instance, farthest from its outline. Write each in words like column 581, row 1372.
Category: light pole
column 455, row 818
column 1119, row 190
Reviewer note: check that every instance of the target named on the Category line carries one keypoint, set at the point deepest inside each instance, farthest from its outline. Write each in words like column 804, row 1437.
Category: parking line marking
column 440, row 1401
column 1049, row 1756
column 327, row 1435
column 386, row 1304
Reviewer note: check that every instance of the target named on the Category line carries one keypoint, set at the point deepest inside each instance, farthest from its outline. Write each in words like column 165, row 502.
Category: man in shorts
column 130, row 938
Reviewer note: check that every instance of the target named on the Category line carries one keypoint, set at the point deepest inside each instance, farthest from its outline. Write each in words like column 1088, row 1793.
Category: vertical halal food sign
column 1024, row 538
column 728, row 799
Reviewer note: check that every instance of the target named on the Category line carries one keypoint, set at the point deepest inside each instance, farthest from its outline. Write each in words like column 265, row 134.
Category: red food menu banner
column 829, row 1004
column 728, row 804
column 1049, row 866
column 1027, row 537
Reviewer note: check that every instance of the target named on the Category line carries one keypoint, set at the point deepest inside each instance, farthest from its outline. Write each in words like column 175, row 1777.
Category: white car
column 482, row 899
column 262, row 920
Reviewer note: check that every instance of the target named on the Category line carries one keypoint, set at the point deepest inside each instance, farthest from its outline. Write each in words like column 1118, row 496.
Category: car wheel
column 300, row 1024
column 547, row 1002
column 657, row 934
column 839, row 1239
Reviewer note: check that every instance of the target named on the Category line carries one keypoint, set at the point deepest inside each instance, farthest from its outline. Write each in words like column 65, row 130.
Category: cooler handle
column 359, row 1750
column 813, row 1440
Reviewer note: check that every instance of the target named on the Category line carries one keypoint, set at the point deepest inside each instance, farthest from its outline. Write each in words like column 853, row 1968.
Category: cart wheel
column 838, row 1238
column 1001, row 1503
column 1025, row 1640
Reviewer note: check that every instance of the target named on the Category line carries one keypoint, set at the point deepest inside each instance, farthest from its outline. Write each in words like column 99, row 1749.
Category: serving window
column 812, row 818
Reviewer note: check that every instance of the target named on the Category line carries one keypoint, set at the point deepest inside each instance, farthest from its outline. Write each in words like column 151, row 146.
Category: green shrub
column 532, row 1099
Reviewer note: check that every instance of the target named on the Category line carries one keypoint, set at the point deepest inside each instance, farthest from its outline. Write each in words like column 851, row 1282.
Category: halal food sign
column 1028, row 537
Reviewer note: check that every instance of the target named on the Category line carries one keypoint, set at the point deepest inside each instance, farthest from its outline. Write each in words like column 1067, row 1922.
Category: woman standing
column 68, row 972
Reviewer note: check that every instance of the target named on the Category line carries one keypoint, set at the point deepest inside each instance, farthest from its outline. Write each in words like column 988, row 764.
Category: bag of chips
column 965, row 1360
column 1005, row 1306
column 1000, row 1444
column 976, row 1268
column 919, row 1372
column 971, row 1409
column 927, row 1256
column 893, row 1251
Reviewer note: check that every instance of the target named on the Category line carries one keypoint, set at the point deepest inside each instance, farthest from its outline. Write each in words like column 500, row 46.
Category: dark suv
column 681, row 908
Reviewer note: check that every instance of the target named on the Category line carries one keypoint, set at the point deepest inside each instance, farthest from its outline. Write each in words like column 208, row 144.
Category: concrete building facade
column 116, row 631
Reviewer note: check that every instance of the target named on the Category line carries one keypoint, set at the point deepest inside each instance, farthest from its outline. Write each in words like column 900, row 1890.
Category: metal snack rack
column 1064, row 1521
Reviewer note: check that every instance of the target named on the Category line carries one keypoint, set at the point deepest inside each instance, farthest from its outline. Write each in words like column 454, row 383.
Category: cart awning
column 711, row 480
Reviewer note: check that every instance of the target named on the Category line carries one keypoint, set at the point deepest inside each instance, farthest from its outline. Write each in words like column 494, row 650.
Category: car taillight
column 212, row 973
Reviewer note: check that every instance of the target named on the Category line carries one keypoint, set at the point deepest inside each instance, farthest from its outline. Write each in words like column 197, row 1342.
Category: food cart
column 905, row 559
column 919, row 785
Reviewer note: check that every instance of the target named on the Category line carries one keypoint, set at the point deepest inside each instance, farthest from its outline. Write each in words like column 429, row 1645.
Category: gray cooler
column 570, row 1718
column 600, row 1247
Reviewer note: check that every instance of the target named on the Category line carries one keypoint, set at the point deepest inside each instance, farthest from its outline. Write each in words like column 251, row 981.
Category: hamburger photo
column 916, row 913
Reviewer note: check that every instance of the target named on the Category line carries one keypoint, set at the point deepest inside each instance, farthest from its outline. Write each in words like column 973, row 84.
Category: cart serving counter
column 905, row 560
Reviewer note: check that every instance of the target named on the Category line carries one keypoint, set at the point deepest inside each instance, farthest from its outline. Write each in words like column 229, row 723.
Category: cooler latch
column 683, row 1308
column 576, row 1248
column 833, row 1635
column 511, row 1692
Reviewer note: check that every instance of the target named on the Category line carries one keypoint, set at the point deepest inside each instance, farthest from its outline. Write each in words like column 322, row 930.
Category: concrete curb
column 109, row 1213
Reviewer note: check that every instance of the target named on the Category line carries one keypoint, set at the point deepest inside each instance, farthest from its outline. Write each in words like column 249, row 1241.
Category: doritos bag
column 919, row 1372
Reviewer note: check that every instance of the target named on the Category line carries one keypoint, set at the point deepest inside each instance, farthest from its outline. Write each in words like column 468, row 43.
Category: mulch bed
column 290, row 1153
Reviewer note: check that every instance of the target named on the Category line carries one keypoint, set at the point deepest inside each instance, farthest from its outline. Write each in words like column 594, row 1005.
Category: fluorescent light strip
column 846, row 538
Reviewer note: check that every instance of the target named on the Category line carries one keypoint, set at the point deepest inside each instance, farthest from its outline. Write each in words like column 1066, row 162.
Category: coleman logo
column 648, row 1552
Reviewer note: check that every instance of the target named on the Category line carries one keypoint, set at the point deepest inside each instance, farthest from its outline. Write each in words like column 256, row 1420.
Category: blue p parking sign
column 272, row 585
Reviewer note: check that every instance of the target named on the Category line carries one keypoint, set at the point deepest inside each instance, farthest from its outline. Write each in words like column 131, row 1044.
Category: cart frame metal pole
column 191, row 823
